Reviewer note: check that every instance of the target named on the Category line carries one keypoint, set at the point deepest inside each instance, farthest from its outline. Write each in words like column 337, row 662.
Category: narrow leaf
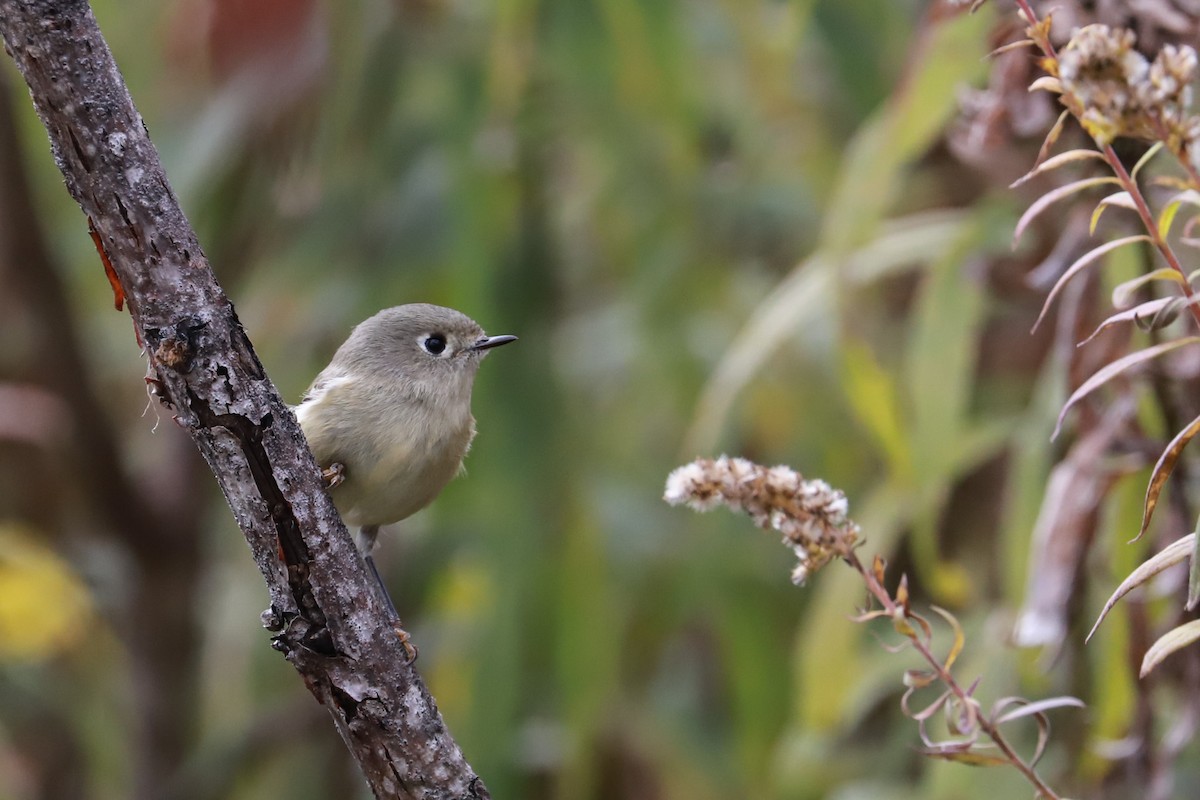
column 1043, row 202
column 1079, row 264
column 1105, row 374
column 972, row 758
column 962, row 718
column 932, row 708
column 918, row 678
column 1169, row 556
column 1145, row 159
column 1026, row 708
column 1038, row 707
column 1008, row 48
column 1171, row 641
column 959, row 638
column 1046, row 83
column 1052, row 137
column 1140, row 311
column 1170, row 182
column 1193, row 596
column 1163, row 317
column 1056, row 162
column 1190, row 196
column 1162, row 471
column 1119, row 199
column 1124, row 293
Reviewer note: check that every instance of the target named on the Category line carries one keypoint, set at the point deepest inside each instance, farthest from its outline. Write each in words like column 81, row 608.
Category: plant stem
column 987, row 726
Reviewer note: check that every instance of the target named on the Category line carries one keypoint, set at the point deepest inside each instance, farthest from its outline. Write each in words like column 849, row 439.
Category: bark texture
column 327, row 619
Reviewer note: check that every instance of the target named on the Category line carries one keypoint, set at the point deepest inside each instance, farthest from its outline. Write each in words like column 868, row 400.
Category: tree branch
column 329, row 621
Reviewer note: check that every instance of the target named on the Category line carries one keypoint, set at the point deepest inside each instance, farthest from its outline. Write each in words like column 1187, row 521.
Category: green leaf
column 877, row 159
column 871, row 393
column 800, row 303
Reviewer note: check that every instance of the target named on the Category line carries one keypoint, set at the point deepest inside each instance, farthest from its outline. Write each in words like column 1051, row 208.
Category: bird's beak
column 488, row 342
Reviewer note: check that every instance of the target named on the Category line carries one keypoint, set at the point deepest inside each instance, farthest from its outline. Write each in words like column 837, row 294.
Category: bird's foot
column 334, row 474
column 410, row 649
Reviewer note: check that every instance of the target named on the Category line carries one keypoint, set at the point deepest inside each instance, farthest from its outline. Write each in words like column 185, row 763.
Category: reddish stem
column 1128, row 183
column 991, row 730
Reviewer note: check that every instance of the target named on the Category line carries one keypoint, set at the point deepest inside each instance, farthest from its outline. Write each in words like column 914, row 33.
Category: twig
column 330, row 623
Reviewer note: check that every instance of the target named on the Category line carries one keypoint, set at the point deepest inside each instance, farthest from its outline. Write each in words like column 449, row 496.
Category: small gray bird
column 389, row 420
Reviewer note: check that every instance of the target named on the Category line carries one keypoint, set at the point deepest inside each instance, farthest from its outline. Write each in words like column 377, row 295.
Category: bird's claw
column 410, row 649
column 334, row 474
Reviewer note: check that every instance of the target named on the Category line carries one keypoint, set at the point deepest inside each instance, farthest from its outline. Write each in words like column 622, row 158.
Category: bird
column 389, row 419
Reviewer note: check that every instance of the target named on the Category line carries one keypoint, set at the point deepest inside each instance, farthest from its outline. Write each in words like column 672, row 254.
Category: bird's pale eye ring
column 434, row 344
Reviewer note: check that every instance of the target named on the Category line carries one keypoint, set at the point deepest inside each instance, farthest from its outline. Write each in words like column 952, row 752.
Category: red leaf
column 109, row 272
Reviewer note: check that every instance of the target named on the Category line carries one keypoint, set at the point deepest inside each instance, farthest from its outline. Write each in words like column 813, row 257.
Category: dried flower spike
column 1118, row 92
column 810, row 514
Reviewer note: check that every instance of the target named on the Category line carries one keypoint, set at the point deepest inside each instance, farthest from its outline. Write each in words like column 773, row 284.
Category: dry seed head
column 810, row 514
column 1118, row 92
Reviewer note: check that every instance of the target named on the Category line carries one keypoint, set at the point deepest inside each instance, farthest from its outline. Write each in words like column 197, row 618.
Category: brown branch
column 330, row 623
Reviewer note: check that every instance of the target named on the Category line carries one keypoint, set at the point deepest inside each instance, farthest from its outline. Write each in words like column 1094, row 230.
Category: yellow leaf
column 44, row 606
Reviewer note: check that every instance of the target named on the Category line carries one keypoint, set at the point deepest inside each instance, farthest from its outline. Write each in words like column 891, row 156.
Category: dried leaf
column 1169, row 556
column 926, row 628
column 1193, row 594
column 1078, row 265
column 1066, row 523
column 1044, row 202
column 1125, row 293
column 1007, row 48
column 1162, row 471
column 1052, row 137
column 1145, row 159
column 1119, row 199
column 903, row 627
column 959, row 638
column 1054, row 163
column 1046, row 83
column 1140, row 311
column 1163, row 317
column 962, row 716
column 1028, row 708
column 932, row 708
column 1108, row 372
column 1170, row 182
column 1170, row 642
column 972, row 758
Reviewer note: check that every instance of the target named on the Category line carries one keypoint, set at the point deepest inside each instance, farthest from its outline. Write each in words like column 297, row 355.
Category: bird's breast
column 415, row 450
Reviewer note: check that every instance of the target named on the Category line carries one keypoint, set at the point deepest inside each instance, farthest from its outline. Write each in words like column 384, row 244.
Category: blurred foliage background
column 758, row 227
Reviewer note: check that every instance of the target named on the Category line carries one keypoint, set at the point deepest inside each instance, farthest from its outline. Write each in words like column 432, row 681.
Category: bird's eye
column 435, row 343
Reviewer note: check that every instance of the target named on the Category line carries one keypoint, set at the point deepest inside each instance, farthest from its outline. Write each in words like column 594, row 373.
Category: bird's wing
column 320, row 386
